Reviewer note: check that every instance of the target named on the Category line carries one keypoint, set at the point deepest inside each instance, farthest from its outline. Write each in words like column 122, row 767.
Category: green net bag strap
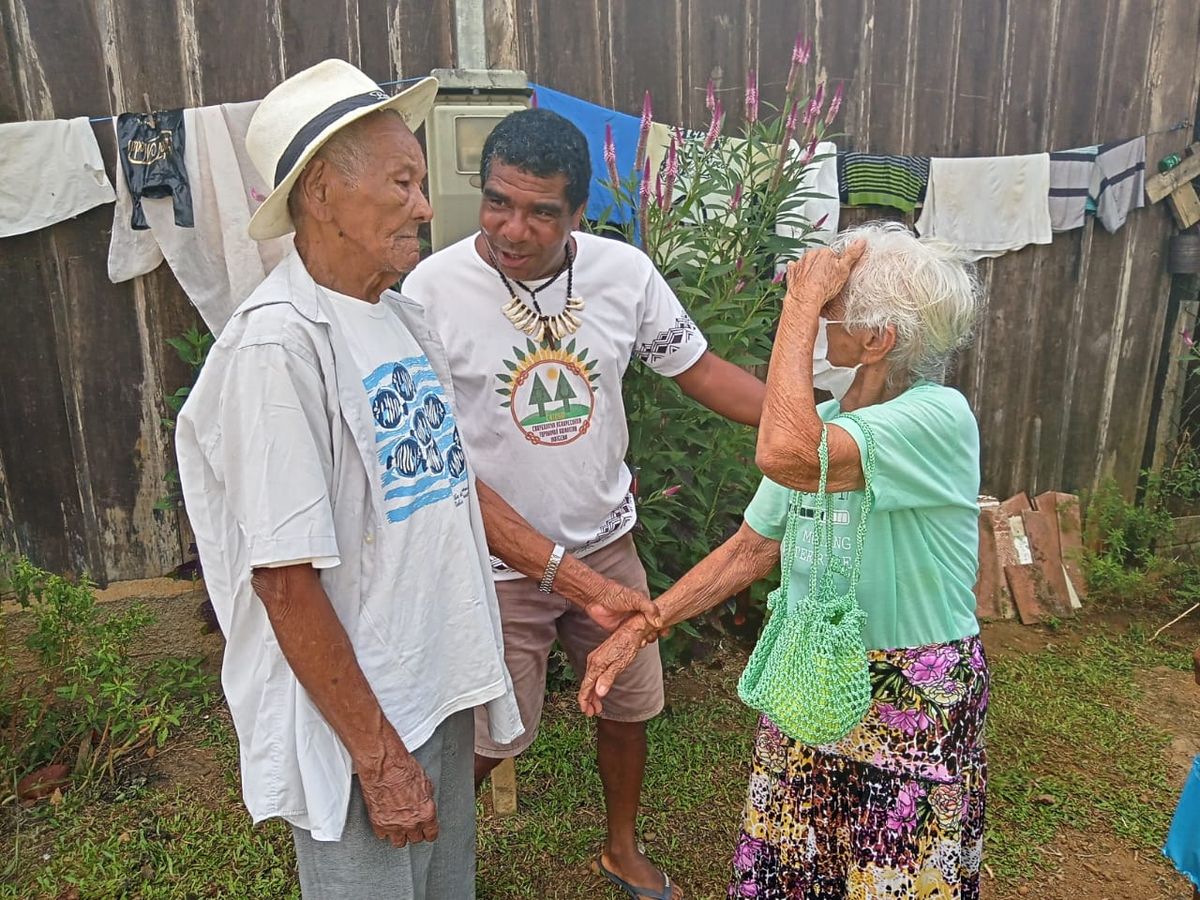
column 826, row 565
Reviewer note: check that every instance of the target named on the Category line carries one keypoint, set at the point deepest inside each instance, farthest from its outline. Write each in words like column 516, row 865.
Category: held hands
column 609, row 660
column 820, row 275
column 616, row 603
column 399, row 798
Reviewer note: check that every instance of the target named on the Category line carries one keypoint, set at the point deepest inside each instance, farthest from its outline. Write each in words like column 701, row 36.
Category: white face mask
column 826, row 376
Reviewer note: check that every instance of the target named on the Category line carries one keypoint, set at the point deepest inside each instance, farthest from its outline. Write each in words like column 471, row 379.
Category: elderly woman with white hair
column 872, row 497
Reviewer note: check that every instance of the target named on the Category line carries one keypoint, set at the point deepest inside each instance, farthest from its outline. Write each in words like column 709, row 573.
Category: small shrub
column 85, row 701
column 1126, row 560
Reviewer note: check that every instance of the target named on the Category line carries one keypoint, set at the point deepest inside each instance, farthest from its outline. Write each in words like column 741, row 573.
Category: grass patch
column 1067, row 752
column 694, row 789
column 1066, row 749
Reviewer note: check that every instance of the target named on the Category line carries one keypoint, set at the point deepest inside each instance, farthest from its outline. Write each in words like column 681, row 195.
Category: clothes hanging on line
column 1118, row 183
column 988, row 205
column 1070, row 182
column 216, row 261
column 152, row 147
column 49, row 171
column 873, row 179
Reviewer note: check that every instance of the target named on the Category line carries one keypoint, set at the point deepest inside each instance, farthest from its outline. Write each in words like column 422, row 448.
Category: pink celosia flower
column 644, row 206
column 736, row 200
column 714, row 127
column 800, row 51
column 644, row 133
column 672, row 490
column 809, row 152
column 752, row 98
column 610, row 157
column 673, row 166
column 801, row 54
column 835, row 104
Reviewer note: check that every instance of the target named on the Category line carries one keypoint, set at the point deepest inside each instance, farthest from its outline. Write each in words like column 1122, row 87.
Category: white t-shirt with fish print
column 420, row 454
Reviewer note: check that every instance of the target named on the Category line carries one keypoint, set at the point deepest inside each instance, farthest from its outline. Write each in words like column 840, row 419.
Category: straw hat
column 297, row 117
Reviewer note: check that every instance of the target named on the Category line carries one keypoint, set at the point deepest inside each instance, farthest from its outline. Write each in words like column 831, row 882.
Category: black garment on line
column 151, row 150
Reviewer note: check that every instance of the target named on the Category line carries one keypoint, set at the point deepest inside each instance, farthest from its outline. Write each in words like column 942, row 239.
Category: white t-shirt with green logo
column 921, row 555
column 546, row 428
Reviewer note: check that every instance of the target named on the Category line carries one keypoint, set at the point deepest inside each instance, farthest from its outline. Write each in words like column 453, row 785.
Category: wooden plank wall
column 1062, row 373
column 1064, row 370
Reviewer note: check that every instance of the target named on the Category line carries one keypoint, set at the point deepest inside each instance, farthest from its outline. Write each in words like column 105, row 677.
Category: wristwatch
column 552, row 564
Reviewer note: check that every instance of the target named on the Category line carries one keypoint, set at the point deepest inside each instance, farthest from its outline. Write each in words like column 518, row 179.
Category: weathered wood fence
column 1066, row 366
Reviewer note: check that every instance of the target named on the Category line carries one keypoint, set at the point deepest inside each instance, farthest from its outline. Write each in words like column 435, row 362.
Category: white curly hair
column 926, row 289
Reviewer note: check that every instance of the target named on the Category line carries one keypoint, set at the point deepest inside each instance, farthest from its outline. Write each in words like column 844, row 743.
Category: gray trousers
column 362, row 867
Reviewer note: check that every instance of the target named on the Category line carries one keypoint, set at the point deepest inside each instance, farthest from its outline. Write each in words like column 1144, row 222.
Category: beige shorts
column 532, row 620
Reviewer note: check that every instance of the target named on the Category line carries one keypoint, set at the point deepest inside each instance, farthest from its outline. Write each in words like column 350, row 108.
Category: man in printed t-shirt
column 540, row 323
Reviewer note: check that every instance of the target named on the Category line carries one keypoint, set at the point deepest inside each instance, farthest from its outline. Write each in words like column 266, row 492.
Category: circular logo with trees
column 550, row 393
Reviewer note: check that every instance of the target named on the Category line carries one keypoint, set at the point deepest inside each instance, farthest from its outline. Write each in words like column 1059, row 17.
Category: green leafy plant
column 709, row 222
column 86, row 701
column 192, row 346
column 1126, row 558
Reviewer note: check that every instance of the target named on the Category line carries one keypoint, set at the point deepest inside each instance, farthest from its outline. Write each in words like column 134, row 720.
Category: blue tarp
column 591, row 119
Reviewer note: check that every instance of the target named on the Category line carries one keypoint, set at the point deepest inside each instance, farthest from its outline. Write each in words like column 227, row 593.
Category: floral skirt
column 894, row 809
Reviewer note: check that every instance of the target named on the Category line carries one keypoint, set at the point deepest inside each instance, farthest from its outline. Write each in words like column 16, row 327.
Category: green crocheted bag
column 808, row 673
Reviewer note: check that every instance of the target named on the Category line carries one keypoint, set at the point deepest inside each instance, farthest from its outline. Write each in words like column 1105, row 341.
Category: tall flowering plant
column 707, row 218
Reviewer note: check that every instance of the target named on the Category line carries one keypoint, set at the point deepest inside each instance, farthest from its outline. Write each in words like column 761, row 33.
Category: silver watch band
column 552, row 564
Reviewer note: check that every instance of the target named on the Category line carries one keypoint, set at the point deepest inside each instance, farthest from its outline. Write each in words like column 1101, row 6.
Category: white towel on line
column 49, row 171
column 988, row 205
column 216, row 262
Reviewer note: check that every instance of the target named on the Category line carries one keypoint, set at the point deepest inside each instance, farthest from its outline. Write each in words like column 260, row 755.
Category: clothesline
column 95, row 119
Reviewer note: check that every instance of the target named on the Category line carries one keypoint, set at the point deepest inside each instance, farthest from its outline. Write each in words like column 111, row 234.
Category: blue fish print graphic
column 416, row 438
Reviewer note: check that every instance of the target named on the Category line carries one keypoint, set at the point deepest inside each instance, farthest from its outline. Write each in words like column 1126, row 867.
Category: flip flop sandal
column 636, row 893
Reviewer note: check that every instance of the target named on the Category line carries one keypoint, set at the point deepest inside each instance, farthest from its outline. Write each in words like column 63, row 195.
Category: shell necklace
column 533, row 322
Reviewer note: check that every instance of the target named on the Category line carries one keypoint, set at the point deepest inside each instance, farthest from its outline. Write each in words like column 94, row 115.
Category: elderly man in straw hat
column 338, row 521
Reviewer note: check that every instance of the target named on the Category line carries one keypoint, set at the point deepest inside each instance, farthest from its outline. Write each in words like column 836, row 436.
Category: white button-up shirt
column 276, row 448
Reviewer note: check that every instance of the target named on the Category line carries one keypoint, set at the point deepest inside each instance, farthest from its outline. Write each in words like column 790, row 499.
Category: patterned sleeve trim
column 668, row 341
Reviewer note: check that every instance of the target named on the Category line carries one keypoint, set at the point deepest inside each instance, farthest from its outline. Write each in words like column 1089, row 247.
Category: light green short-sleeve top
column 921, row 554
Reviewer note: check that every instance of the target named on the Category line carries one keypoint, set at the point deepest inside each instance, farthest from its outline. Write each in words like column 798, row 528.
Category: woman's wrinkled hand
column 820, row 274
column 608, row 661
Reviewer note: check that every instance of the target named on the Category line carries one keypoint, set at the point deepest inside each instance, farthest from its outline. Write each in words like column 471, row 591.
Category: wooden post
column 504, row 788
